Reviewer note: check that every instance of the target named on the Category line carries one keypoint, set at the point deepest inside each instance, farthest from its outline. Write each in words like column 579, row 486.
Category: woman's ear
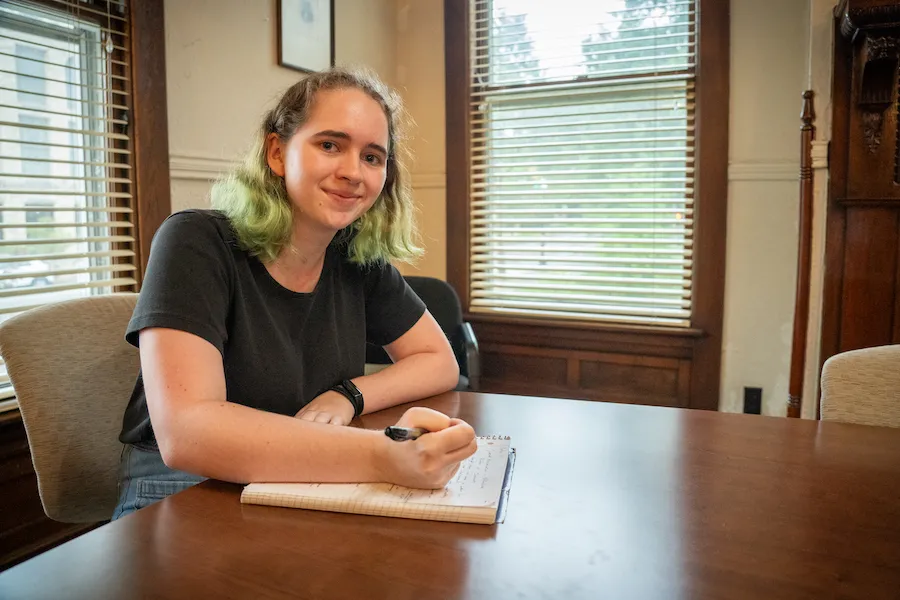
column 275, row 154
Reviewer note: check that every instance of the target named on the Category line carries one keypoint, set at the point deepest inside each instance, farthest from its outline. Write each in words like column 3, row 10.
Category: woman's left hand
column 330, row 407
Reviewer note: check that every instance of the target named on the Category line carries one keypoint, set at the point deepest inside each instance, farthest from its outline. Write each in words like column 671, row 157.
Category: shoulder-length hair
column 256, row 202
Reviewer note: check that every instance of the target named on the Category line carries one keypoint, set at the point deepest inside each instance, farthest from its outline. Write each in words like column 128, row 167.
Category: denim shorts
column 144, row 479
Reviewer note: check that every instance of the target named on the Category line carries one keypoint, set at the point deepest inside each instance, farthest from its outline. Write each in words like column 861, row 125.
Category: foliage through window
column 65, row 154
column 582, row 156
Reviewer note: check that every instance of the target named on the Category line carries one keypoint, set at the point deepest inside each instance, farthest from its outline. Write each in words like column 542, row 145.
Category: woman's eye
column 329, row 146
column 373, row 159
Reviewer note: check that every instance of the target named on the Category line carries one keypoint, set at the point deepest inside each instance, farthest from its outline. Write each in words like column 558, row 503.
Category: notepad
column 476, row 494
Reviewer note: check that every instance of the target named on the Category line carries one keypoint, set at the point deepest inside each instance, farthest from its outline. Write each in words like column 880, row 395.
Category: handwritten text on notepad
column 477, row 483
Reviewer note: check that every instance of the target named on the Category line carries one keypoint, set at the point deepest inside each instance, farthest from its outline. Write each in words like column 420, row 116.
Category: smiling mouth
column 344, row 196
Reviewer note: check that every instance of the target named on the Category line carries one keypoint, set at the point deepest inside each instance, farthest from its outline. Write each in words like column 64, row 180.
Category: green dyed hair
column 256, row 202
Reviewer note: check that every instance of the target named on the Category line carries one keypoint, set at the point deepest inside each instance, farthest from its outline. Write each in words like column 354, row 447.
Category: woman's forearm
column 236, row 443
column 412, row 378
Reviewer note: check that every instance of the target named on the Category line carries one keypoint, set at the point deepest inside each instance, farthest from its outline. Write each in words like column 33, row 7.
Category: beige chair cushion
column 863, row 386
column 73, row 373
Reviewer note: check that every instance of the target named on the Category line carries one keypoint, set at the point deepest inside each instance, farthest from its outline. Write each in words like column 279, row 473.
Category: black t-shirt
column 280, row 349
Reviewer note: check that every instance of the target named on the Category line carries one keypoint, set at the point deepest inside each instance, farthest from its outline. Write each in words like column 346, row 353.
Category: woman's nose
column 348, row 168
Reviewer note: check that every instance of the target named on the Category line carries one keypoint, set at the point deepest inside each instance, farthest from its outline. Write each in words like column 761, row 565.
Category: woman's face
column 335, row 165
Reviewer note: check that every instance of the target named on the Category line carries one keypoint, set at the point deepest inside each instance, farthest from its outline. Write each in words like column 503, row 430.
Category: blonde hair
column 256, row 201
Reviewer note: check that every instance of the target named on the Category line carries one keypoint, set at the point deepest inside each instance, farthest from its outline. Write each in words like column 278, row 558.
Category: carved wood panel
column 862, row 269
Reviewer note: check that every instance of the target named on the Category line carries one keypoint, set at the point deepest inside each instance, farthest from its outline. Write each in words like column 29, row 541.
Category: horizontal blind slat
column 544, row 72
column 64, row 193
column 49, row 257
column 82, row 163
column 574, row 89
column 562, row 278
column 47, row 289
column 84, row 148
column 73, row 9
column 88, row 101
column 45, row 111
column 58, row 208
column 121, row 180
column 112, row 268
column 486, row 239
column 586, row 307
column 83, row 86
column 88, row 132
column 662, row 303
column 111, row 238
column 488, row 25
column 68, row 225
column 642, row 291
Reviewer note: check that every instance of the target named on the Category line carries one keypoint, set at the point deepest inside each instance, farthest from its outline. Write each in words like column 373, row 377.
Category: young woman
column 252, row 318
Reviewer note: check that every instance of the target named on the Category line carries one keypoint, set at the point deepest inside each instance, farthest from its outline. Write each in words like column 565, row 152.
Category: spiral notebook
column 478, row 493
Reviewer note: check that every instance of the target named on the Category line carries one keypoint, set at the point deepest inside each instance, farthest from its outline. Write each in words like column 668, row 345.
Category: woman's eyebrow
column 346, row 136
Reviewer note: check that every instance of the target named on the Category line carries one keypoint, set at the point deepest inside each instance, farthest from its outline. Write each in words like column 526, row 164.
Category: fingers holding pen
column 432, row 459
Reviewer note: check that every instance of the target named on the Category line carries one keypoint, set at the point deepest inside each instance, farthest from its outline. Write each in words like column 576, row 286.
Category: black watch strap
column 349, row 391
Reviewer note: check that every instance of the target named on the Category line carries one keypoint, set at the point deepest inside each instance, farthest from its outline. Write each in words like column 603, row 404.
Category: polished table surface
column 607, row 501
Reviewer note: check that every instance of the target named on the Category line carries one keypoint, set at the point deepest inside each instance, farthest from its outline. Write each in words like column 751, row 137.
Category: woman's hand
column 330, row 407
column 432, row 460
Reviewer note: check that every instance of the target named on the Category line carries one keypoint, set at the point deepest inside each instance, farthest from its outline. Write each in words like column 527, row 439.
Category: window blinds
column 581, row 175
column 66, row 214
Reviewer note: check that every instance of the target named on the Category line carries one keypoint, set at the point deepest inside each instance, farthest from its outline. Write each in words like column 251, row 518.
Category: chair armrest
column 473, row 361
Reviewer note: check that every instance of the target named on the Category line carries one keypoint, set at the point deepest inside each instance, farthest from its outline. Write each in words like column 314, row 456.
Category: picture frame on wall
column 305, row 34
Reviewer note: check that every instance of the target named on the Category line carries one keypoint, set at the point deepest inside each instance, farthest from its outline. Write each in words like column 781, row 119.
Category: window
column 582, row 159
column 66, row 213
column 587, row 154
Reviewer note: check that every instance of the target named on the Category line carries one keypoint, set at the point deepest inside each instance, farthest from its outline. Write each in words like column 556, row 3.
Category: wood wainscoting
column 567, row 360
column 24, row 528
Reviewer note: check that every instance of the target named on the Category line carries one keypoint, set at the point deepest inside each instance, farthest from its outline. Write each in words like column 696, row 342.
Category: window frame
column 148, row 143
column 701, row 343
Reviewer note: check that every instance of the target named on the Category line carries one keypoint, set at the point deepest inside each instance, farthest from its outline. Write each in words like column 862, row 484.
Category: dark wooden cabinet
column 862, row 255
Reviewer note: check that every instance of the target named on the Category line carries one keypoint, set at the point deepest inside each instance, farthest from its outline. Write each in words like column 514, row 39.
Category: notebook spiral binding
column 493, row 437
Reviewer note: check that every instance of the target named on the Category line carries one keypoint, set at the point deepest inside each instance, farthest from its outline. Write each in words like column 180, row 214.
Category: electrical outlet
column 753, row 400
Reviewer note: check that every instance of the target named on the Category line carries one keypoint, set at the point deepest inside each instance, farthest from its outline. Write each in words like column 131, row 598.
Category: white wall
column 768, row 77
column 420, row 79
column 222, row 74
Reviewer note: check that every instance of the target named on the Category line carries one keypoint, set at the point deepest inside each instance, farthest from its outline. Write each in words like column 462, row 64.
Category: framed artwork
column 306, row 34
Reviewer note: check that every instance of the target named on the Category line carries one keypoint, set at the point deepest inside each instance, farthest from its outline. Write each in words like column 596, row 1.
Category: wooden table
column 607, row 501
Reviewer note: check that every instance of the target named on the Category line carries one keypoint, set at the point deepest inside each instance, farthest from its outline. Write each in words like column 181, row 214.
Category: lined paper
column 472, row 495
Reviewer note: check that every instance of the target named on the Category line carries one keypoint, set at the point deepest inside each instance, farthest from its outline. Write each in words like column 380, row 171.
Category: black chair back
column 442, row 302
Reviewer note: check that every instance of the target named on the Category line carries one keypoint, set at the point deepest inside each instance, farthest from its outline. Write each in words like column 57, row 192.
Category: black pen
column 402, row 434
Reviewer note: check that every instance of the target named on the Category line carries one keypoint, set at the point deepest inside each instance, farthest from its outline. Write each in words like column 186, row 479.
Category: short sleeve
column 392, row 307
column 187, row 285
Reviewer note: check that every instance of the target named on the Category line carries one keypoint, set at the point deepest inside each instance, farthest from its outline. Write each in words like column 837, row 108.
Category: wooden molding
column 819, row 154
column 713, row 84
column 782, row 170
column 456, row 65
column 198, row 166
column 150, row 132
column 429, row 180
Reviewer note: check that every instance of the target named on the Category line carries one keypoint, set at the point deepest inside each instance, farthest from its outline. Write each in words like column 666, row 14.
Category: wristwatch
column 348, row 390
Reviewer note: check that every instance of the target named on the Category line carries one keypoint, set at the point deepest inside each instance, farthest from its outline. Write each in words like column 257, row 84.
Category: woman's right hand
column 430, row 461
